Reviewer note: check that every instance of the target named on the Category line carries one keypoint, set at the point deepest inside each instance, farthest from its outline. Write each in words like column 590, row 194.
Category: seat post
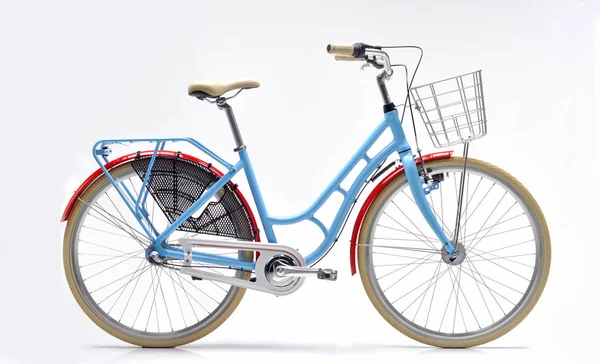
column 239, row 143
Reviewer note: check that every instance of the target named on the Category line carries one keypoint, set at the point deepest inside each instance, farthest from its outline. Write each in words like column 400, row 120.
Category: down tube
column 323, row 248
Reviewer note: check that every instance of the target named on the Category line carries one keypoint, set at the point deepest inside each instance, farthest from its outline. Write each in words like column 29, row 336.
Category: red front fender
column 166, row 153
column 365, row 207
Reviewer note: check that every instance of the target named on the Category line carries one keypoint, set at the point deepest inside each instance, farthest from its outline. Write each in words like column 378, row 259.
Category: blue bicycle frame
column 399, row 145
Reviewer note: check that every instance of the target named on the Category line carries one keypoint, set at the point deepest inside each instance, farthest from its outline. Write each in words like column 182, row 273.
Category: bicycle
column 452, row 269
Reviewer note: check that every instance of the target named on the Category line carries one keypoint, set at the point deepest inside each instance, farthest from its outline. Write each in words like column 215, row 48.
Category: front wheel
column 468, row 301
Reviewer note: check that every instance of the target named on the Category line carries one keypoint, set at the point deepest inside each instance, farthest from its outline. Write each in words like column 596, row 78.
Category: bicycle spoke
column 428, row 280
column 201, row 291
column 508, row 258
column 495, row 225
column 397, row 264
column 143, row 262
column 490, row 290
column 482, row 276
column 449, row 298
column 99, row 255
column 132, row 277
column 488, row 218
column 104, row 270
column 472, row 196
column 177, row 296
column 113, row 221
column 113, row 257
column 392, row 255
column 406, row 231
column 120, row 214
column 511, row 246
column 482, row 297
column 479, row 204
column 101, row 246
column 110, row 222
column 109, row 232
column 130, row 296
column 153, row 301
column 433, row 251
column 432, row 297
column 413, row 224
column 110, row 283
column 186, row 292
column 501, row 266
column 498, row 256
column 459, row 290
column 133, row 232
column 486, row 234
column 145, row 297
column 424, row 294
column 166, row 306
column 404, row 276
column 396, row 221
column 188, row 297
column 501, row 232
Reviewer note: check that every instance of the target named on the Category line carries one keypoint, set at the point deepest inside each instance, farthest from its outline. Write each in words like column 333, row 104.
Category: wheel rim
column 416, row 306
column 126, row 291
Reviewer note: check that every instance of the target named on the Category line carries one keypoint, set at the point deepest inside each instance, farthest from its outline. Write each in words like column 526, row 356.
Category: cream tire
column 388, row 313
column 220, row 314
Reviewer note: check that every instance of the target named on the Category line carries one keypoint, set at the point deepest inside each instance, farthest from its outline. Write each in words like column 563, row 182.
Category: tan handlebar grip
column 340, row 50
column 347, row 58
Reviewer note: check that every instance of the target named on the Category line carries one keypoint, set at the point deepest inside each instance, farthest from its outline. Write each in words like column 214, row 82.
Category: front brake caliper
column 433, row 185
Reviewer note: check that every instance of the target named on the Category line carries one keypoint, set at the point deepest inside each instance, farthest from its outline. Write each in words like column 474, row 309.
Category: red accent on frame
column 148, row 153
column 365, row 207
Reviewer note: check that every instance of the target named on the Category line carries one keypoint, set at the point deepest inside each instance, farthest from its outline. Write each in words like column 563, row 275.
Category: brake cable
column 408, row 103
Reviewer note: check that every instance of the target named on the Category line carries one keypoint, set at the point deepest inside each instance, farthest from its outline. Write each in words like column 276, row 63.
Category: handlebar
column 362, row 52
column 341, row 50
column 347, row 58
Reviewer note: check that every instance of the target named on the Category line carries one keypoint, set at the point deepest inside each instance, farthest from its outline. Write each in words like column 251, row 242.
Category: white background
column 72, row 72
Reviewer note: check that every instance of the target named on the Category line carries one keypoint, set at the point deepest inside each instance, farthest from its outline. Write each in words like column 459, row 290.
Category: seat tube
column 257, row 195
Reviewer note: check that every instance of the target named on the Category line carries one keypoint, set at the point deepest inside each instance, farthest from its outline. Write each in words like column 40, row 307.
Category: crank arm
column 292, row 271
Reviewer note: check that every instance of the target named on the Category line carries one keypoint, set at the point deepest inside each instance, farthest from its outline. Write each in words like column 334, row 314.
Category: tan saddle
column 202, row 90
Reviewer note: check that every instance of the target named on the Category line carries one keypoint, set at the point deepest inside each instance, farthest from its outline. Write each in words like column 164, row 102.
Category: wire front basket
column 453, row 109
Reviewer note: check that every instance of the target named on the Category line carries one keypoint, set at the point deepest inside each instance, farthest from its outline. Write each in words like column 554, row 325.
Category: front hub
column 457, row 257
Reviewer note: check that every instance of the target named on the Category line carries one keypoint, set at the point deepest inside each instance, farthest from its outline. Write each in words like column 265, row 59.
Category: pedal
column 327, row 274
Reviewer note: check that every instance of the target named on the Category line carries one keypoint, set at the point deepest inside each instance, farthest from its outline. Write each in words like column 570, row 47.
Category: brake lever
column 373, row 62
column 365, row 65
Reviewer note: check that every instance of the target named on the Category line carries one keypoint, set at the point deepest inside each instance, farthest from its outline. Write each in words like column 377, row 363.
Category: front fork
column 415, row 181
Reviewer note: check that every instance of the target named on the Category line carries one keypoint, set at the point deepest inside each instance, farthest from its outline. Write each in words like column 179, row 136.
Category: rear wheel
column 128, row 295
column 456, row 304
